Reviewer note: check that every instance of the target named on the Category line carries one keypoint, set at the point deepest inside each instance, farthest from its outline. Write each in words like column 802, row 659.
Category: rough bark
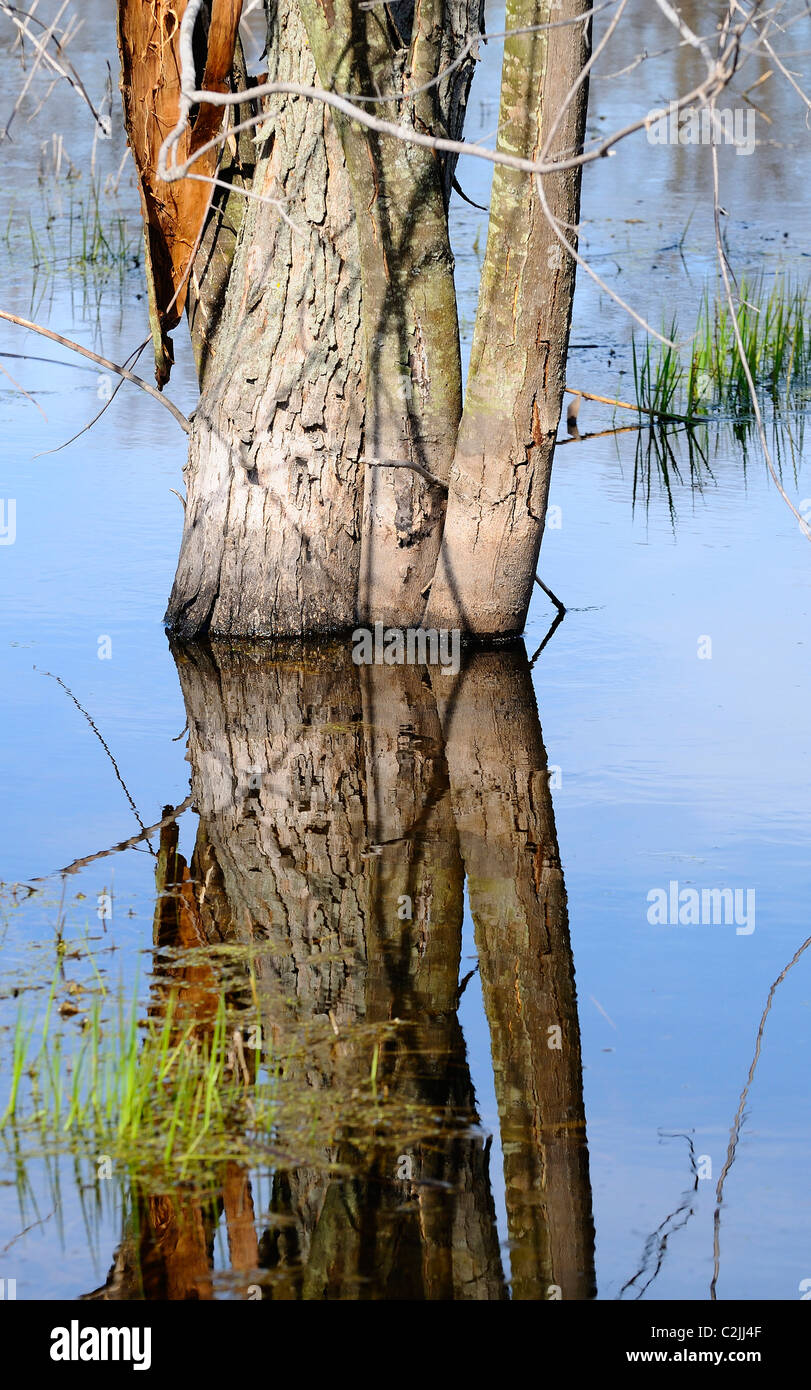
column 338, row 342
column 400, row 194
column 499, row 480
column 271, row 539
column 323, row 345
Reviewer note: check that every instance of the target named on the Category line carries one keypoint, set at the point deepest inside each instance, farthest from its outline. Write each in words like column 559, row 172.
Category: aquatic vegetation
column 776, row 338
column 658, row 378
column 88, row 233
column 169, row 1099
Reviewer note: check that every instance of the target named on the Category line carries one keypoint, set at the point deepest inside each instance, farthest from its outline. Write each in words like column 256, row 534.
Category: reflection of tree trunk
column 331, row 824
column 166, row 1251
column 503, row 808
column 324, row 803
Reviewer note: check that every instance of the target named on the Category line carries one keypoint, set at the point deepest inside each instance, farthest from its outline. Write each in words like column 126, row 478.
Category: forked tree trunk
column 327, row 446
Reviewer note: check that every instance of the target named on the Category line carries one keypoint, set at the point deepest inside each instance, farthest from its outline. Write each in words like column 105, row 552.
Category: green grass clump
column 776, row 339
column 658, row 378
column 153, row 1091
column 171, row 1100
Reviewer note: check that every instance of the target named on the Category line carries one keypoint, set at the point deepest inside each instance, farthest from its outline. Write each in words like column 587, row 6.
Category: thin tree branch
column 102, row 362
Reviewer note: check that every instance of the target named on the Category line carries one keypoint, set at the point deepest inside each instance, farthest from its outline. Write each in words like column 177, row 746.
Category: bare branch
column 102, row 362
column 59, row 65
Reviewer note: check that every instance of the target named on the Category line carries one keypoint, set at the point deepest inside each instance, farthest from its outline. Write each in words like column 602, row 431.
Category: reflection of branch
column 25, row 1231
column 172, row 814
column 107, row 750
column 734, row 1133
column 656, row 1243
column 601, row 434
column 558, row 619
column 23, row 392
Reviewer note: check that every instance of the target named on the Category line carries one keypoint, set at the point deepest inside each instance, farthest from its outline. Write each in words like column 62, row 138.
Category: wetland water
column 468, row 1065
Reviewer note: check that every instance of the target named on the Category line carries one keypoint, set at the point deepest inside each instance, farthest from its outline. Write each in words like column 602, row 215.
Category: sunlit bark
column 499, row 482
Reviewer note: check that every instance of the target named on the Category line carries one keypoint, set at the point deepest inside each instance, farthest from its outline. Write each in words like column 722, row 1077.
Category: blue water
column 672, row 766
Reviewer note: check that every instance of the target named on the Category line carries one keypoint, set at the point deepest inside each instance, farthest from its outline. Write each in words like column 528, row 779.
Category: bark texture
column 271, row 539
column 321, row 345
column 499, row 481
column 400, row 195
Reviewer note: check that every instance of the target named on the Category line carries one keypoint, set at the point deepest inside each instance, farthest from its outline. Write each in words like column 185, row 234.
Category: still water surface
column 523, row 1087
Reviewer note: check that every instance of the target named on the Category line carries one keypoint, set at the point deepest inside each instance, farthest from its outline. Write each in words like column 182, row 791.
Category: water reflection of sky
column 672, row 767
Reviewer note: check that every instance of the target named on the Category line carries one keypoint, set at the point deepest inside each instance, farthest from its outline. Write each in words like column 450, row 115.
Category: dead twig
column 102, row 362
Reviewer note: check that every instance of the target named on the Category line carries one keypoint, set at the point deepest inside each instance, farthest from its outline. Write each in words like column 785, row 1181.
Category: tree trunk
column 271, row 540
column 499, row 480
column 333, row 476
column 400, row 195
column 332, row 342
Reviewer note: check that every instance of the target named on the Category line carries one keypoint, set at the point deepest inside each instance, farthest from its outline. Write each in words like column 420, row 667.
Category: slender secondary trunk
column 499, row 481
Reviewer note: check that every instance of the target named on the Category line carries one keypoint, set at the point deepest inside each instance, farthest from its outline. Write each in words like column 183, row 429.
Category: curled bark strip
column 148, row 39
